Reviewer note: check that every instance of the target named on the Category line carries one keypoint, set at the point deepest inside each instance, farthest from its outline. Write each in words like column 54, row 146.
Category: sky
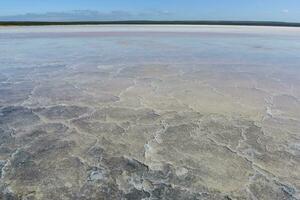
column 73, row 10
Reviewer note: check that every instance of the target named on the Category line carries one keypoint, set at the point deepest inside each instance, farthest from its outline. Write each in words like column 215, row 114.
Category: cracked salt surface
column 122, row 112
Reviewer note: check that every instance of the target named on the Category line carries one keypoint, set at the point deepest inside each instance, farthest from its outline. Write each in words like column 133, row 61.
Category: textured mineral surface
column 149, row 112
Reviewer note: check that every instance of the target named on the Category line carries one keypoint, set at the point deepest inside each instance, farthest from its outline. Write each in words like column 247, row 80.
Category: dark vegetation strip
column 246, row 23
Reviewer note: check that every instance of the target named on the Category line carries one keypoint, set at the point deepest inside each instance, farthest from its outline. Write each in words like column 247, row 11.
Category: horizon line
column 152, row 22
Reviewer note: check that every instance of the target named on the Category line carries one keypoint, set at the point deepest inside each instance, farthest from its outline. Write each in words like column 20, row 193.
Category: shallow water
column 29, row 46
column 157, row 112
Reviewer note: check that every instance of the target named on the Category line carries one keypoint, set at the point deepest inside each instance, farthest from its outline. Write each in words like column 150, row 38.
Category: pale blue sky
column 274, row 10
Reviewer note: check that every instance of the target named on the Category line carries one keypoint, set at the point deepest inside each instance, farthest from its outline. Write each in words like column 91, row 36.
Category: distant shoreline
column 231, row 23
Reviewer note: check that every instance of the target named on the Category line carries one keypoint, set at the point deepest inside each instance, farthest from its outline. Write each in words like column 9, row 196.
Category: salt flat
column 149, row 112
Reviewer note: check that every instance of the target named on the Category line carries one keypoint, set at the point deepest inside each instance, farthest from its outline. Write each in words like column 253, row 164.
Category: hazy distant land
column 145, row 22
